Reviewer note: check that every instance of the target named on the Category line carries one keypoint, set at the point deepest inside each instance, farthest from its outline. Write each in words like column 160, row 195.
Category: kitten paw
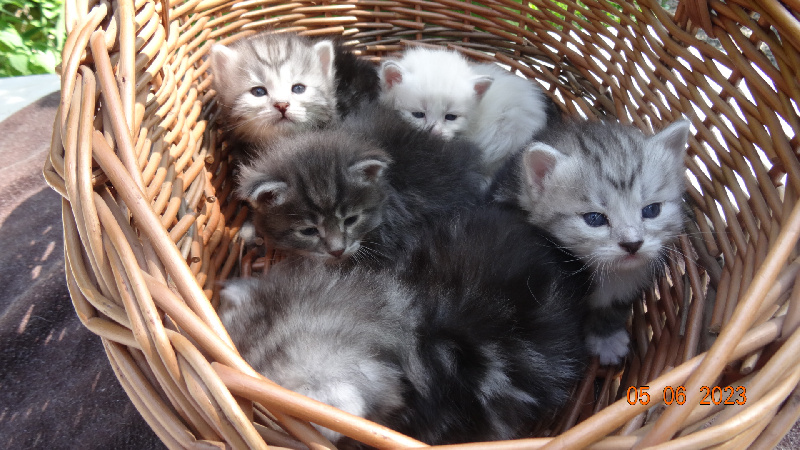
column 248, row 232
column 610, row 349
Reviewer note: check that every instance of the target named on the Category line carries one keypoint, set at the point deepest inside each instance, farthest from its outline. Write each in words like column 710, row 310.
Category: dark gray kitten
column 269, row 84
column 361, row 188
column 611, row 195
column 473, row 335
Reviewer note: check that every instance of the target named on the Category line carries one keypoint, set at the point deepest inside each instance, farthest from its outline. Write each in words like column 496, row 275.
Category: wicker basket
column 150, row 224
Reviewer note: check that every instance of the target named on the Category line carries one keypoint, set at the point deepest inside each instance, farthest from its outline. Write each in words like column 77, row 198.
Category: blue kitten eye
column 418, row 114
column 450, row 117
column 595, row 219
column 350, row 220
column 651, row 211
column 310, row 231
column 298, row 88
column 258, row 91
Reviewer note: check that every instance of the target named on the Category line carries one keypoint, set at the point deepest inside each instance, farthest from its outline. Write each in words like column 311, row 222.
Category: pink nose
column 282, row 106
column 336, row 253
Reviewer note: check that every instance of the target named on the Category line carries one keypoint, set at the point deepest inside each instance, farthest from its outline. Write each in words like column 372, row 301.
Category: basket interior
column 142, row 89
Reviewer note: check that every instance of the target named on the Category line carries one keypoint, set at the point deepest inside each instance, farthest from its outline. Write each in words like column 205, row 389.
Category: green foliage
column 31, row 36
column 579, row 14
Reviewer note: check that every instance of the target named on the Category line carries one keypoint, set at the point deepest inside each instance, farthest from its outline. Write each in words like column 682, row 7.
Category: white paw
column 248, row 232
column 611, row 349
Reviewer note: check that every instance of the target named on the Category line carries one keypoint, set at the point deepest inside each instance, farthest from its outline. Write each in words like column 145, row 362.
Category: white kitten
column 511, row 112
column 433, row 89
column 441, row 91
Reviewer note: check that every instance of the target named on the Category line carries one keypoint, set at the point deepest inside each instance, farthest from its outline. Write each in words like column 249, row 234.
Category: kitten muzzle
column 631, row 247
column 282, row 107
column 336, row 253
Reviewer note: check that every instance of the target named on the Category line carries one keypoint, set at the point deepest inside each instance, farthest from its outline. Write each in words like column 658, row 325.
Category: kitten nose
column 336, row 253
column 631, row 247
column 282, row 107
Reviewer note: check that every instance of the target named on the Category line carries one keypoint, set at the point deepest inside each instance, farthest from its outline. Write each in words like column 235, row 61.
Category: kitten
column 332, row 337
column 612, row 196
column 502, row 344
column 358, row 189
column 473, row 335
column 440, row 91
column 270, row 84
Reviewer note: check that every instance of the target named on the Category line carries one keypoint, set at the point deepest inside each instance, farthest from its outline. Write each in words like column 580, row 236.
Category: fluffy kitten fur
column 271, row 83
column 333, row 337
column 360, row 188
column 473, row 336
column 612, row 196
column 440, row 91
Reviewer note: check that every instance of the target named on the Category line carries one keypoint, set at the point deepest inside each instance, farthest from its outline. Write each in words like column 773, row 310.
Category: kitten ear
column 270, row 193
column 368, row 171
column 674, row 138
column 482, row 84
column 224, row 61
column 324, row 51
column 391, row 74
column 539, row 160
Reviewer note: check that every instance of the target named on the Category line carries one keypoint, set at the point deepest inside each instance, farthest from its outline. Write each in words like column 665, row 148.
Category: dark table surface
column 57, row 389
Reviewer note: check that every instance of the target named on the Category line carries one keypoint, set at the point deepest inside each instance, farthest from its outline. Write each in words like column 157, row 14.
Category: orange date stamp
column 712, row 395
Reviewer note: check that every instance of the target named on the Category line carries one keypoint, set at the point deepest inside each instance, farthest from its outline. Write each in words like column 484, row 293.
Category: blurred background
column 31, row 37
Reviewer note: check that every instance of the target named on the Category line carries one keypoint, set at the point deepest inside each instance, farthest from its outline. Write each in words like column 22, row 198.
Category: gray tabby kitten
column 273, row 83
column 270, row 84
column 612, row 196
column 361, row 188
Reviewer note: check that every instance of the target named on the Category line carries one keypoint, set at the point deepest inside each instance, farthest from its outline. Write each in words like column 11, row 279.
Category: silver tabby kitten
column 303, row 330
column 273, row 83
column 612, row 196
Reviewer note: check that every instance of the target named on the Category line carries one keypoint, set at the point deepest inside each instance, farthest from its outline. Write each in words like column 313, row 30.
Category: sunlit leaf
column 19, row 63
column 45, row 61
column 10, row 38
column 31, row 35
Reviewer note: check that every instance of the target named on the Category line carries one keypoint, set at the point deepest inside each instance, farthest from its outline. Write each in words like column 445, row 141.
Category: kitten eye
column 595, row 219
column 350, row 220
column 418, row 114
column 299, row 88
column 258, row 91
column 651, row 211
column 310, row 231
column 450, row 117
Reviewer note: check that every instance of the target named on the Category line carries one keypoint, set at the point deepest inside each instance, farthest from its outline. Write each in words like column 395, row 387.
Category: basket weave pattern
column 150, row 225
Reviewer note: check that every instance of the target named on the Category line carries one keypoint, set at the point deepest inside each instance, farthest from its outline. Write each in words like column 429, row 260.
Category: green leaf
column 44, row 62
column 31, row 35
column 50, row 13
column 19, row 63
column 59, row 31
column 36, row 36
column 11, row 38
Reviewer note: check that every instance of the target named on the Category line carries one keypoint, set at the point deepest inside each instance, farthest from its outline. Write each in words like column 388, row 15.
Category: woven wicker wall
column 150, row 225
